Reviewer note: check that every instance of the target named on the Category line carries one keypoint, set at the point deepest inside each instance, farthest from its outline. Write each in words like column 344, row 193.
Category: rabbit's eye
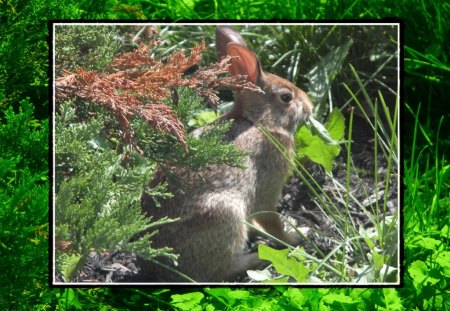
column 286, row 97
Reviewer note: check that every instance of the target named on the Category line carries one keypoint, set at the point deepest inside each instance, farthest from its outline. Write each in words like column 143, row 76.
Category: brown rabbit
column 210, row 236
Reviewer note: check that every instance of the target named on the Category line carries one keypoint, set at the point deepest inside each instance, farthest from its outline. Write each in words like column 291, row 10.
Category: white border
column 399, row 96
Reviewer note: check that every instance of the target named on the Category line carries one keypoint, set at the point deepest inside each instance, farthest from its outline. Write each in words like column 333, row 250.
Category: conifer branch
column 137, row 85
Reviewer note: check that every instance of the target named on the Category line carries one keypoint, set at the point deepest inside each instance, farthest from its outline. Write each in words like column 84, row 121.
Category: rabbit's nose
column 307, row 106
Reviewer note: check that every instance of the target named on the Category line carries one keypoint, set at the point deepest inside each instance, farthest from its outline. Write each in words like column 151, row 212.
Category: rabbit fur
column 210, row 236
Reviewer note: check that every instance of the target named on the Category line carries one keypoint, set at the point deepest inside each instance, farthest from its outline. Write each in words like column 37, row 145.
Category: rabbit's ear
column 225, row 35
column 244, row 62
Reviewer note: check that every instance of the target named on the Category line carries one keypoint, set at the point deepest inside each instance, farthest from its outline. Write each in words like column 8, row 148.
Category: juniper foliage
column 112, row 127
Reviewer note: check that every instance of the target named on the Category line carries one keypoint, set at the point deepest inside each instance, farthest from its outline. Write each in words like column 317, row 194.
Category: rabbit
column 211, row 236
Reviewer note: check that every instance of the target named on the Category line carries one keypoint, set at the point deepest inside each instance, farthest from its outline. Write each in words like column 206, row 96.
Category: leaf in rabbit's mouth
column 318, row 128
column 320, row 143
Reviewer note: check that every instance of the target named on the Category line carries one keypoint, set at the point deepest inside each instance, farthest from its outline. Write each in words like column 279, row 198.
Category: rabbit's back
column 213, row 205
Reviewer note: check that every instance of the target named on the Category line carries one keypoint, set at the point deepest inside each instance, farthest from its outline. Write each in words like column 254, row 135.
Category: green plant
column 426, row 250
column 321, row 143
column 380, row 263
column 97, row 205
column 24, row 33
column 24, row 50
column 24, row 187
column 119, row 123
column 90, row 49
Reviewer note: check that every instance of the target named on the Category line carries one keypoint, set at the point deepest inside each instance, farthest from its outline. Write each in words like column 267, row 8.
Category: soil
column 297, row 202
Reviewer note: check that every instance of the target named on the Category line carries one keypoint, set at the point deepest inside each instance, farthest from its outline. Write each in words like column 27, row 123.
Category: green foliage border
column 76, row 299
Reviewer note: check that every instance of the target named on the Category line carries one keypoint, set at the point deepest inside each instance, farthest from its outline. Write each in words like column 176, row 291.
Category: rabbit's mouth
column 300, row 114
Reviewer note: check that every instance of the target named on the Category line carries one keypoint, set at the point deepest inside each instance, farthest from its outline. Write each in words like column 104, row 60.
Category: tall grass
column 426, row 222
column 374, row 248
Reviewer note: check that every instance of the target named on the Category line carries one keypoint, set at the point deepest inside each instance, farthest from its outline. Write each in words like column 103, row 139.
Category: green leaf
column 295, row 297
column 392, row 300
column 445, row 232
column 322, row 132
column 378, row 260
column 239, row 294
column 419, row 272
column 189, row 301
column 443, row 260
column 340, row 302
column 428, row 243
column 210, row 307
column 321, row 145
column 220, row 293
column 283, row 264
column 321, row 153
column 70, row 300
column 304, row 136
column 336, row 125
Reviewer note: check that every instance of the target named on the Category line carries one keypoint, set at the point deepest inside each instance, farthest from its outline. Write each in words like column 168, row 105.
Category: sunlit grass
column 426, row 222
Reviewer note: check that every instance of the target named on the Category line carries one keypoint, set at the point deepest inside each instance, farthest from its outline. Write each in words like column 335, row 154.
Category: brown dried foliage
column 137, row 85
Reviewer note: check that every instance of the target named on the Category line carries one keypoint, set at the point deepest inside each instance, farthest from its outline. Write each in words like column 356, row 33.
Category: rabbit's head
column 281, row 103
